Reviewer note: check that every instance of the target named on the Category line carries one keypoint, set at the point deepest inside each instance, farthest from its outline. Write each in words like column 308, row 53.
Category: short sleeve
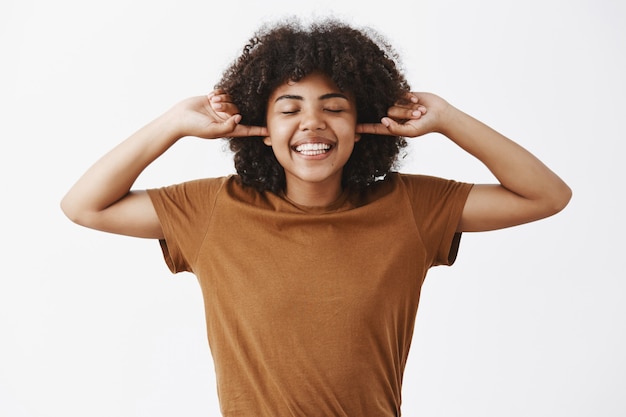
column 184, row 211
column 437, row 208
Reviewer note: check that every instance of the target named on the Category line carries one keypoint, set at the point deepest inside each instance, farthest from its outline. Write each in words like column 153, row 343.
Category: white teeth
column 311, row 149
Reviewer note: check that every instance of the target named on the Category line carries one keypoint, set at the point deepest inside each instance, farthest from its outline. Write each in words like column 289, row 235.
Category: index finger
column 373, row 128
column 389, row 127
column 245, row 130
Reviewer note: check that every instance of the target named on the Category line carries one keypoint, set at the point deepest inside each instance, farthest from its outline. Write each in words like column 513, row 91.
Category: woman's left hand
column 416, row 115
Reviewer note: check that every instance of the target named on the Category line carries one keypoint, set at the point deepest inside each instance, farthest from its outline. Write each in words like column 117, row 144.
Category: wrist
column 450, row 121
column 168, row 127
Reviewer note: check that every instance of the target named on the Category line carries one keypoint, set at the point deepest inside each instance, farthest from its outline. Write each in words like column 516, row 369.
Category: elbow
column 69, row 212
column 73, row 212
column 559, row 199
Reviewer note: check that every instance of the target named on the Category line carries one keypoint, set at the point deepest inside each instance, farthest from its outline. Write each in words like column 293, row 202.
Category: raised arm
column 527, row 191
column 101, row 199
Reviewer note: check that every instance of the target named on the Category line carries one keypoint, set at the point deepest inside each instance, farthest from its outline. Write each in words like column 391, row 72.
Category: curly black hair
column 359, row 61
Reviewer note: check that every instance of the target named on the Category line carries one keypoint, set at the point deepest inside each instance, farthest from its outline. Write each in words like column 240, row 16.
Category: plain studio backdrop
column 530, row 321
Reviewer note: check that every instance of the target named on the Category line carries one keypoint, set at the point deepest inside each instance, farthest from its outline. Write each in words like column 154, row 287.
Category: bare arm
column 102, row 198
column 527, row 191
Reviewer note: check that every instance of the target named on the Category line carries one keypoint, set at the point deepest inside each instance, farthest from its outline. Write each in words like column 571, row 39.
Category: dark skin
column 526, row 191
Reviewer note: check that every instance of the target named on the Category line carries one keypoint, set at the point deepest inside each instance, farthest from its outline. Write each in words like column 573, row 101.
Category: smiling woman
column 312, row 257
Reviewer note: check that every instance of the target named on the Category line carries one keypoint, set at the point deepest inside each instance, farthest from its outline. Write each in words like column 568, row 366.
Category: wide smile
column 312, row 149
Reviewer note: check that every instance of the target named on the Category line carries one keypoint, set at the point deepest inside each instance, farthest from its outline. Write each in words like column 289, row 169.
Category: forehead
column 313, row 86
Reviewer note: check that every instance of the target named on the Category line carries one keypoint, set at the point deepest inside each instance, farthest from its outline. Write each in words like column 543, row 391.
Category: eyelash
column 328, row 110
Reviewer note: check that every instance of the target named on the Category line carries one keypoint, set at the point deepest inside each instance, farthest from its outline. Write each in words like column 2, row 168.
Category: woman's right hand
column 212, row 116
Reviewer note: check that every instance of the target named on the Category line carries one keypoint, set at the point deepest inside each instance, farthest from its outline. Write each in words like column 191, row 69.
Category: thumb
column 407, row 129
column 230, row 124
column 233, row 121
column 222, row 128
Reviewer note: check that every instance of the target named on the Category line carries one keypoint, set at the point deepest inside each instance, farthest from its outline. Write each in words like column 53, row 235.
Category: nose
column 312, row 119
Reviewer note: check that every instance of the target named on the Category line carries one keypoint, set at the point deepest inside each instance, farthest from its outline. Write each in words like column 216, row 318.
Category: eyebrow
column 322, row 97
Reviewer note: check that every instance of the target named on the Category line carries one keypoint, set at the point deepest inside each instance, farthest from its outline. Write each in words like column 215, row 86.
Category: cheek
column 346, row 127
column 348, row 133
column 279, row 133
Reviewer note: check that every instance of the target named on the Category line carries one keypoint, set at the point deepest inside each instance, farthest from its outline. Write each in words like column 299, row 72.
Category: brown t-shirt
column 310, row 311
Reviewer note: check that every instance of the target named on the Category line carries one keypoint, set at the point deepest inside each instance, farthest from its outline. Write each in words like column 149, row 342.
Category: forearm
column 515, row 168
column 112, row 176
column 527, row 190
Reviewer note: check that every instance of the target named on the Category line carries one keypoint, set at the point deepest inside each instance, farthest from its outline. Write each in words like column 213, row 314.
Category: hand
column 224, row 108
column 212, row 116
column 416, row 115
column 222, row 104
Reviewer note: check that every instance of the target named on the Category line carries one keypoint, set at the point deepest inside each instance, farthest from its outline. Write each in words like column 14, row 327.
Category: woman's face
column 311, row 126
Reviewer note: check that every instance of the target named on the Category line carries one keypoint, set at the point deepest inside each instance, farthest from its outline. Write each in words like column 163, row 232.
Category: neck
column 313, row 194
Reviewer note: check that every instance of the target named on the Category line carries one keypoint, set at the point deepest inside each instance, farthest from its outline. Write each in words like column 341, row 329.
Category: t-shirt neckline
column 332, row 207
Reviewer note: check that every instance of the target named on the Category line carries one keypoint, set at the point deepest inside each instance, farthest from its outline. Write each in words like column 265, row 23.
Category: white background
column 530, row 321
